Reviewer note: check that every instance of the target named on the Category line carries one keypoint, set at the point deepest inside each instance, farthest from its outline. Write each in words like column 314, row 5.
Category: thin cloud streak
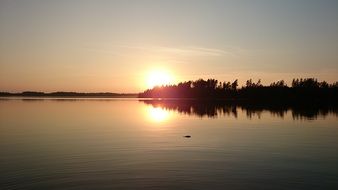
column 188, row 51
column 184, row 51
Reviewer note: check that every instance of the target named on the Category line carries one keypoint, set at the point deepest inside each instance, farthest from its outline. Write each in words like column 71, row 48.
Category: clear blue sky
column 112, row 45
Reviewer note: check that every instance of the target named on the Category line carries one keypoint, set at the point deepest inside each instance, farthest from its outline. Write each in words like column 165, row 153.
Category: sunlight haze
column 113, row 45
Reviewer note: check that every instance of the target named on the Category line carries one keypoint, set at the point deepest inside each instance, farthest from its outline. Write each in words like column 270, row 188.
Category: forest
column 300, row 90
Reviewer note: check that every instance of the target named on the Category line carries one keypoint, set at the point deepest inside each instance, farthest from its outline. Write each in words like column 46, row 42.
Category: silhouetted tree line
column 300, row 89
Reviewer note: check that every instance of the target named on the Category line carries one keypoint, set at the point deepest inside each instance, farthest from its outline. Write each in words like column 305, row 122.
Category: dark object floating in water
column 187, row 136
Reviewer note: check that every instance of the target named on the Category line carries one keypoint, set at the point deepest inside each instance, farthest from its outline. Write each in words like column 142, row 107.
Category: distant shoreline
column 31, row 94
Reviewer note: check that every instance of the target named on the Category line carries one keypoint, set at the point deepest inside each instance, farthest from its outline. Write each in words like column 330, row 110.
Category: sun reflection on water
column 158, row 114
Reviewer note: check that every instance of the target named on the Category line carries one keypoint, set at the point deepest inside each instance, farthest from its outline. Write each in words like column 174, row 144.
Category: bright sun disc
column 159, row 78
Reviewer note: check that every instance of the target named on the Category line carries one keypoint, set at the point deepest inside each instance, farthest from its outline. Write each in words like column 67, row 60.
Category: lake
column 140, row 144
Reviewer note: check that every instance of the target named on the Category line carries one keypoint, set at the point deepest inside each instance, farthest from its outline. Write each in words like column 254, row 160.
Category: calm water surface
column 133, row 144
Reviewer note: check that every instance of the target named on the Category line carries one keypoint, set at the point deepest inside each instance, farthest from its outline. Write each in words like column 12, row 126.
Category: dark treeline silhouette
column 300, row 90
column 65, row 94
column 211, row 108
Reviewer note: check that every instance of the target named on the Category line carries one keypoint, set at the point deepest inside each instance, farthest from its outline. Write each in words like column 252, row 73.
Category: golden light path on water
column 158, row 114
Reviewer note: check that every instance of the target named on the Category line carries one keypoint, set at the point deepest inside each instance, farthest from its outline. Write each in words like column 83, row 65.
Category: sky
column 112, row 46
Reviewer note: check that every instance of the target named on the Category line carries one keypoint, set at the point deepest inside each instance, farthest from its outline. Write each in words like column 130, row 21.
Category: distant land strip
column 69, row 94
column 308, row 90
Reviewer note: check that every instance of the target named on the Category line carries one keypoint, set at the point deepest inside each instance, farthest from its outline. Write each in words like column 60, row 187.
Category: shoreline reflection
column 213, row 109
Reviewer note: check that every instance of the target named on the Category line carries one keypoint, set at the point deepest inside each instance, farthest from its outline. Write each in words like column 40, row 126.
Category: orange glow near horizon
column 159, row 78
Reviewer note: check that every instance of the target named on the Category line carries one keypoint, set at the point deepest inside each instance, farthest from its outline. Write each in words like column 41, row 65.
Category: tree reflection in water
column 205, row 108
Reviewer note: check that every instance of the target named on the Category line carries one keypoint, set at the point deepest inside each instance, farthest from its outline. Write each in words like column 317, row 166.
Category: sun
column 159, row 78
